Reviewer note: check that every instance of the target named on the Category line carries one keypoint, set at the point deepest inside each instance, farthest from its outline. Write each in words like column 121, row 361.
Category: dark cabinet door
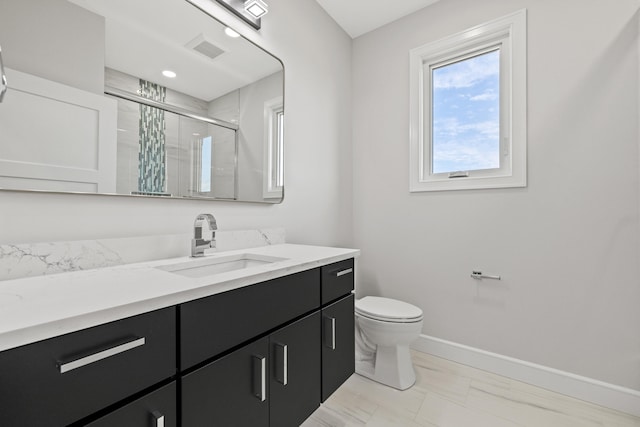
column 338, row 344
column 231, row 391
column 156, row 409
column 295, row 372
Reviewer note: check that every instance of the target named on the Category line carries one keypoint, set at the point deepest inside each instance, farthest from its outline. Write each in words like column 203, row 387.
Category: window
column 205, row 165
column 468, row 109
column 274, row 150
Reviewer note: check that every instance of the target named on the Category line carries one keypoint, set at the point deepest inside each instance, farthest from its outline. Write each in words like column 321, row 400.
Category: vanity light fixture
column 170, row 74
column 231, row 33
column 245, row 10
column 257, row 8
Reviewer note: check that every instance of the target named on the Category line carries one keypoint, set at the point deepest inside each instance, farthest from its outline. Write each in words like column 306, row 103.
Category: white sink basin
column 209, row 266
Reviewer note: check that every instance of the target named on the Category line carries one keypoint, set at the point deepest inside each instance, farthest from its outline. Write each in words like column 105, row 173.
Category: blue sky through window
column 466, row 114
column 205, row 165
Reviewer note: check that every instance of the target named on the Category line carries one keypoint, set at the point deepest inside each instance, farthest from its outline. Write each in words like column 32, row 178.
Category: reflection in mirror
column 189, row 111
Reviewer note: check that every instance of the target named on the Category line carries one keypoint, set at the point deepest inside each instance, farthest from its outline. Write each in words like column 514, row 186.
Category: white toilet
column 384, row 330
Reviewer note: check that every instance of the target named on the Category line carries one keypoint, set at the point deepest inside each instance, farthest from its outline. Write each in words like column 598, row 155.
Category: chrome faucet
column 198, row 243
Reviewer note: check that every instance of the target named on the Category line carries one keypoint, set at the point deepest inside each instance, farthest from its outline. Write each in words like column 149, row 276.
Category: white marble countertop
column 37, row 308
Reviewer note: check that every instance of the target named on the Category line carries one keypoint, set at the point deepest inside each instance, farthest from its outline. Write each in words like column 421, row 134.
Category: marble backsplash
column 36, row 259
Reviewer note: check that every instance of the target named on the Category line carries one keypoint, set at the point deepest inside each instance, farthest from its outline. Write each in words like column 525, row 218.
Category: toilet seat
column 388, row 310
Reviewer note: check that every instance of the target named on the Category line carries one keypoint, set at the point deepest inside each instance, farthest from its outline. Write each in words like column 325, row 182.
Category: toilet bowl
column 384, row 330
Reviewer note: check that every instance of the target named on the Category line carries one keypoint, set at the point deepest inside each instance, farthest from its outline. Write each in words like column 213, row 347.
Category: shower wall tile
column 152, row 156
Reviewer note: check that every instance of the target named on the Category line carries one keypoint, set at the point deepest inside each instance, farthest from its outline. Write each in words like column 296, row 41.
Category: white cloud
column 467, row 73
column 467, row 146
column 452, row 127
column 487, row 96
column 454, row 156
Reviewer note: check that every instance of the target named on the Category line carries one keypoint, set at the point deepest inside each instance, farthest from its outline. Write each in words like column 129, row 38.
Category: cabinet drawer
column 337, row 280
column 61, row 380
column 156, row 409
column 212, row 325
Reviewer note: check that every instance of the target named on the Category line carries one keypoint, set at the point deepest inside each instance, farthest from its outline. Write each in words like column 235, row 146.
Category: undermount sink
column 208, row 266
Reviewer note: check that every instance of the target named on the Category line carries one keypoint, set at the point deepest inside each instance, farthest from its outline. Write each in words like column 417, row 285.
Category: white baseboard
column 609, row 395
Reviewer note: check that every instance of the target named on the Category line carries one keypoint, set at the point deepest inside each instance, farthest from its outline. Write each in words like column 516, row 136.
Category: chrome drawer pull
column 283, row 376
column 83, row 361
column 3, row 78
column 158, row 418
column 260, row 377
column 330, row 332
column 343, row 272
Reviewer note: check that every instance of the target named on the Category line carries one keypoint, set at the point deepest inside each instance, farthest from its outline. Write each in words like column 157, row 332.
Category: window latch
column 459, row 174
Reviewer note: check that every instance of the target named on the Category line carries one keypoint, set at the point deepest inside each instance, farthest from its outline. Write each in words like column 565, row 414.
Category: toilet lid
column 387, row 309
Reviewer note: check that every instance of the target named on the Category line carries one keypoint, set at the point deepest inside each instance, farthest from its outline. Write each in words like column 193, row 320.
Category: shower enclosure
column 167, row 150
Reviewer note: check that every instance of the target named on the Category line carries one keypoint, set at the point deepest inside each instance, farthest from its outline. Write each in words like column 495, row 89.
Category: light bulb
column 256, row 8
column 231, row 33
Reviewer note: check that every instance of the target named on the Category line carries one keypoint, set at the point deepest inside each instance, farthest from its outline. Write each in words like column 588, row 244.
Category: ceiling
column 357, row 17
column 143, row 38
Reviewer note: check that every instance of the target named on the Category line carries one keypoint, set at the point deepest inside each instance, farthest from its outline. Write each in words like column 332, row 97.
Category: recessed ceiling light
column 257, row 8
column 231, row 33
column 169, row 73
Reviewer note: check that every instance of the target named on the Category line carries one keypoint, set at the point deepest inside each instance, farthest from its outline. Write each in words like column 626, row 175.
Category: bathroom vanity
column 168, row 343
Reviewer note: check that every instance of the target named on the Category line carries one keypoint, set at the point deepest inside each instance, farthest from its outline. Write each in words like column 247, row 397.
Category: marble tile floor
column 448, row 394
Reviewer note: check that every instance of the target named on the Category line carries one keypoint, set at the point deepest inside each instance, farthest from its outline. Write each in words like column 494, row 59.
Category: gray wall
column 25, row 47
column 567, row 246
column 251, row 141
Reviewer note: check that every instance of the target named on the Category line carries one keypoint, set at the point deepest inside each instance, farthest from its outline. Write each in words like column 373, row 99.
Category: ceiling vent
column 201, row 45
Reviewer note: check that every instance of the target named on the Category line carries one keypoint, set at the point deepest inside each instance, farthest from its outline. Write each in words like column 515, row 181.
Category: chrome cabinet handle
column 3, row 78
column 260, row 377
column 343, row 272
column 330, row 332
column 158, row 419
column 101, row 355
column 282, row 363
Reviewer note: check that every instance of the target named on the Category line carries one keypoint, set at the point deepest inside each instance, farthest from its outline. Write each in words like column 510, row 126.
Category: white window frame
column 509, row 35
column 273, row 152
column 205, row 167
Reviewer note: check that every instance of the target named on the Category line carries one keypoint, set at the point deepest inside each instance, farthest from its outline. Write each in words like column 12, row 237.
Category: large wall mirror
column 151, row 98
